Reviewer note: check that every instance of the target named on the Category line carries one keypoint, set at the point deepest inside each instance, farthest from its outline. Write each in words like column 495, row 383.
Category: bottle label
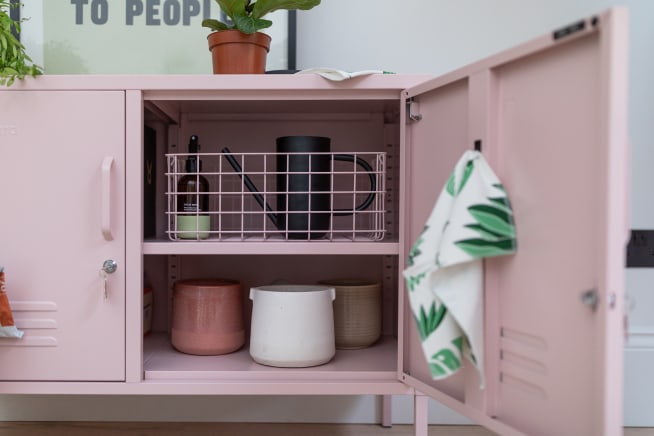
column 191, row 207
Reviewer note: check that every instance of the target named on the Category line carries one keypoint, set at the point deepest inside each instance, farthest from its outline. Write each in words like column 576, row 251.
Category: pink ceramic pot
column 207, row 317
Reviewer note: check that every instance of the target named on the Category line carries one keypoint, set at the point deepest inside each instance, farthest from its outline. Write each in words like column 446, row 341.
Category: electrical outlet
column 640, row 250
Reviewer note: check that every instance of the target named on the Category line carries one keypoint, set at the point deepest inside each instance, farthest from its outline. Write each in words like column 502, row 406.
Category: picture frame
column 14, row 14
column 135, row 36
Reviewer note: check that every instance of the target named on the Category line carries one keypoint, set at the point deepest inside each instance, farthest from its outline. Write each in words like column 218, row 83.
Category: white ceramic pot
column 292, row 325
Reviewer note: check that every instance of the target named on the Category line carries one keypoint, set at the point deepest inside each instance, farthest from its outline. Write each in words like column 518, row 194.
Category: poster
column 130, row 36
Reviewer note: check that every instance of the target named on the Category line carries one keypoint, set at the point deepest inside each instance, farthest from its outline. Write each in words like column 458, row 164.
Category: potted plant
column 237, row 46
column 14, row 62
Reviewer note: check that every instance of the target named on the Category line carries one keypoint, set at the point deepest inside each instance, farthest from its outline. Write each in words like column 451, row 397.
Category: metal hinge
column 412, row 109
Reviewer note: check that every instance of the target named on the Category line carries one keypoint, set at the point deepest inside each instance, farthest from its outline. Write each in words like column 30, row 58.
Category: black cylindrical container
column 304, row 184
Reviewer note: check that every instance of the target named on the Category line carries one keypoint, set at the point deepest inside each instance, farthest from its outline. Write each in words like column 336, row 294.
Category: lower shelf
column 163, row 362
column 370, row 371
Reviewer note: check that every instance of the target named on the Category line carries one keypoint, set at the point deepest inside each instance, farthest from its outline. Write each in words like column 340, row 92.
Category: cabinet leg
column 420, row 414
column 387, row 411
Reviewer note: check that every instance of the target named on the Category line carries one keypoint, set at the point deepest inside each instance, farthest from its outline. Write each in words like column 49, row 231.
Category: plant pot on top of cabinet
column 236, row 45
column 235, row 52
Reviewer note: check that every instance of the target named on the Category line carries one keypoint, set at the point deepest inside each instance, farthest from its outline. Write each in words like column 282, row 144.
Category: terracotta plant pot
column 234, row 52
column 207, row 316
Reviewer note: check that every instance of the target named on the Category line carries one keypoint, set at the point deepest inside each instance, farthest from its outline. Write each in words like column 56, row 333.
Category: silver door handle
column 107, row 163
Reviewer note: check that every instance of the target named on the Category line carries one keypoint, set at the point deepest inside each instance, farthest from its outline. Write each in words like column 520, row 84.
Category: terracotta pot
column 207, row 316
column 234, row 52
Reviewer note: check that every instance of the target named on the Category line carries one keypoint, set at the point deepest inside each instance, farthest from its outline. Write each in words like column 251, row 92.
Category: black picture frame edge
column 292, row 40
column 14, row 14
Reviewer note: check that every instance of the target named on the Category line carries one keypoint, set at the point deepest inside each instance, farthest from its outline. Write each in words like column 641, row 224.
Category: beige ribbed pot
column 357, row 312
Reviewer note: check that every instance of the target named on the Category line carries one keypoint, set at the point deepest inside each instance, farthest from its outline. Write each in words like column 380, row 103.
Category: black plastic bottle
column 192, row 198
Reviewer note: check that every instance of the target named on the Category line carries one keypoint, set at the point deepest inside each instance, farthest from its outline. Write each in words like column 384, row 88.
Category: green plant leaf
column 247, row 16
column 263, row 7
column 14, row 62
column 215, row 25
column 250, row 25
column 231, row 8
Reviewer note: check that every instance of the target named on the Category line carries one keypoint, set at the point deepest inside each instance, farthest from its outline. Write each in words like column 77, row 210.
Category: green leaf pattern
column 428, row 323
column 414, row 281
column 415, row 249
column 450, row 186
column 496, row 228
column 447, row 360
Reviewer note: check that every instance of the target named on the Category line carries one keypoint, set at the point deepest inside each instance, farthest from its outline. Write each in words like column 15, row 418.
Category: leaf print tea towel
column 472, row 219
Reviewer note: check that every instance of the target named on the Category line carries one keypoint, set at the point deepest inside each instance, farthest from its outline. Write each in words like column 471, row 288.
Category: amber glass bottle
column 192, row 199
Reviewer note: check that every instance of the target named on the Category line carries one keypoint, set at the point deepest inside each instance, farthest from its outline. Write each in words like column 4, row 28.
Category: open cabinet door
column 550, row 116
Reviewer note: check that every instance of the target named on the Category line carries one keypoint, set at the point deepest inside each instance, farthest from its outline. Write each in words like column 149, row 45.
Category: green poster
column 137, row 37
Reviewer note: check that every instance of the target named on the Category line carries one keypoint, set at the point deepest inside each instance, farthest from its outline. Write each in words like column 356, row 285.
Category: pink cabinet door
column 62, row 172
column 550, row 116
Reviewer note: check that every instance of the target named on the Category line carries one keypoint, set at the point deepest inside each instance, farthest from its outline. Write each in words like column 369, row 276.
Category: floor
column 239, row 429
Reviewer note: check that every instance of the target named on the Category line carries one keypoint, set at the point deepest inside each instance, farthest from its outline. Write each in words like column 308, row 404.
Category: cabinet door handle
column 107, row 163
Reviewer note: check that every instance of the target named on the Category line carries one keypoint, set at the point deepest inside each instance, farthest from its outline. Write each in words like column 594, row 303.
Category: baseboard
column 639, row 383
column 640, row 338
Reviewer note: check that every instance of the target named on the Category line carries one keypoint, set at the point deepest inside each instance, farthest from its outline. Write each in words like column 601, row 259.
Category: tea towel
column 472, row 219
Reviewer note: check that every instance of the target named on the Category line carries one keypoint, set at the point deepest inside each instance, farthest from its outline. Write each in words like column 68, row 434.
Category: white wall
column 420, row 36
column 426, row 36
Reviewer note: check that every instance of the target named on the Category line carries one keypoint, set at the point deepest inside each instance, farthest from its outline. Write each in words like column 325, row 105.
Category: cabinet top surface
column 229, row 82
